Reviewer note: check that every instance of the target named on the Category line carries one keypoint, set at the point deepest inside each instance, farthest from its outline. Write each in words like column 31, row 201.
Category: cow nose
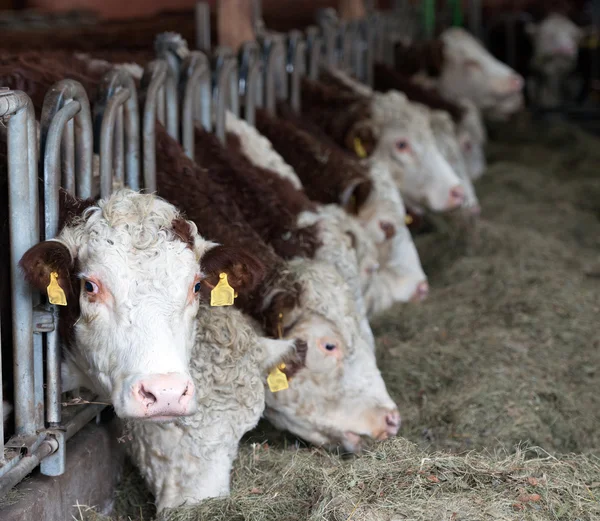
column 392, row 422
column 421, row 292
column 388, row 229
column 516, row 82
column 163, row 396
column 456, row 197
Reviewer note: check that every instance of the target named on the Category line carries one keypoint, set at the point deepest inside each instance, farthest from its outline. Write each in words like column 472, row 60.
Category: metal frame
column 117, row 123
column 251, row 81
column 196, row 98
column 153, row 82
column 276, row 79
column 296, row 67
column 315, row 51
column 202, row 13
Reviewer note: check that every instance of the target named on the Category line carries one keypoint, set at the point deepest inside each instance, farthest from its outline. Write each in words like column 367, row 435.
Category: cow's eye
column 197, row 287
column 330, row 347
column 90, row 287
column 402, row 145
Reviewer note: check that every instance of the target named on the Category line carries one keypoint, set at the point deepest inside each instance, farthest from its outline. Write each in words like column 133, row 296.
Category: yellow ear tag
column 408, row 220
column 277, row 379
column 222, row 294
column 56, row 295
column 359, row 149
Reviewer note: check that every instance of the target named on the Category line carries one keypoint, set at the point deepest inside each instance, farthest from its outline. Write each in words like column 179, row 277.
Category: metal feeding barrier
column 66, row 147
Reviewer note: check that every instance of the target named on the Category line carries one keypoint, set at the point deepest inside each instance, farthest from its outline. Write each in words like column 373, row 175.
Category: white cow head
column 130, row 269
column 446, row 139
column 555, row 39
column 338, row 395
column 472, row 137
column 470, row 71
column 400, row 277
column 400, row 135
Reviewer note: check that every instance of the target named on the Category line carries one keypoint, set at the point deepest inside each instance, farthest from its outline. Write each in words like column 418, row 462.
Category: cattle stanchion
column 329, row 29
column 314, row 42
column 117, row 89
column 296, row 65
column 203, row 26
column 66, row 117
column 153, row 81
column 276, row 82
column 196, row 104
column 17, row 111
column 166, row 45
column 250, row 80
column 226, row 70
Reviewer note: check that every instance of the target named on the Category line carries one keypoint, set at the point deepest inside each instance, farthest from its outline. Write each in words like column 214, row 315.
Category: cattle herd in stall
column 302, row 221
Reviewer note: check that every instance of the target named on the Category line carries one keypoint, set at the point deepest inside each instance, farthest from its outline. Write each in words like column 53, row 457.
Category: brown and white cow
column 459, row 66
column 139, row 330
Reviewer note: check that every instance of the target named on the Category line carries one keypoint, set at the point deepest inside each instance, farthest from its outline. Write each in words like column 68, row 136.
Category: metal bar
column 250, row 80
column 21, row 146
column 2, row 461
column 153, row 81
column 26, row 465
column 106, row 140
column 68, row 157
column 315, row 45
column 203, row 26
column 274, row 72
column 475, row 18
column 160, row 106
column 82, row 418
column 296, row 66
column 118, row 150
column 196, row 90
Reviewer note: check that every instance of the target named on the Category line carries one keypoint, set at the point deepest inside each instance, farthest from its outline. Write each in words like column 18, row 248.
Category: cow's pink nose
column 456, row 197
column 421, row 292
column 392, row 422
column 163, row 396
column 516, row 82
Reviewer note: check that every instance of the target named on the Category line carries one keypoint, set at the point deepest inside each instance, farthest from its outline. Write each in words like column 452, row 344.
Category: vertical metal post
column 66, row 106
column 475, row 18
column 23, row 205
column 296, row 66
column 203, row 26
column 196, row 102
column 429, row 7
column 315, row 45
column 250, row 80
column 117, row 89
column 153, row 81
column 118, row 151
column 1, row 405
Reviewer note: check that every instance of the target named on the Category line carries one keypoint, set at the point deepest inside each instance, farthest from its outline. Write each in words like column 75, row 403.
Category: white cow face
column 130, row 270
column 447, row 142
column 338, row 395
column 470, row 71
column 555, row 38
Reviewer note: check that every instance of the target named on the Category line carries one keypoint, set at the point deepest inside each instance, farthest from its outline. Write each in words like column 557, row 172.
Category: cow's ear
column 244, row 271
column 361, row 140
column 44, row 259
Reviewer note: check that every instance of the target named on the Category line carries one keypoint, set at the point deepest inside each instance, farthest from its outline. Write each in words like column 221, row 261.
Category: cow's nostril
column 147, row 397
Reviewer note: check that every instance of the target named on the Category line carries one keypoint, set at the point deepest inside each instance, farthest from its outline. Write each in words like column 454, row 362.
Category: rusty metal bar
column 117, row 89
column 24, row 233
column 196, row 90
column 153, row 82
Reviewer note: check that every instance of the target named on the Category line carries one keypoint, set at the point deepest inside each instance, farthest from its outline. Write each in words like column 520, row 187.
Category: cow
column 465, row 115
column 385, row 127
column 555, row 42
column 400, row 277
column 459, row 66
column 138, row 329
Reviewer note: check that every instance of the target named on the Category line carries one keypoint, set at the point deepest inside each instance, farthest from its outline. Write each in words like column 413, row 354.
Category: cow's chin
column 160, row 419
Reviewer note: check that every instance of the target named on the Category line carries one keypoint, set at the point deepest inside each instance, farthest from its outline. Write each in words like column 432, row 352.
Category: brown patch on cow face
column 298, row 361
column 244, row 271
column 388, row 229
column 183, row 230
column 71, row 207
